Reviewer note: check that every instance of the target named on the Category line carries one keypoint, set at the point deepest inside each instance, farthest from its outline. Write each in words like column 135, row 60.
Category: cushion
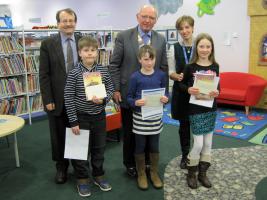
column 232, row 94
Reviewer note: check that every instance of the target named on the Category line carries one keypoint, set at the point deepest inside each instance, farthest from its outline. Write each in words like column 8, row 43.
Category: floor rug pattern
column 232, row 123
column 260, row 138
column 234, row 173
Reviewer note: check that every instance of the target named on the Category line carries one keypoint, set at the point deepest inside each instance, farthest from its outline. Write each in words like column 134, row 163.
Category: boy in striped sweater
column 89, row 115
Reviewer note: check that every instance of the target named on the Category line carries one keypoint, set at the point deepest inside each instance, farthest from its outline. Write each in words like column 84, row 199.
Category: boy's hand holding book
column 97, row 100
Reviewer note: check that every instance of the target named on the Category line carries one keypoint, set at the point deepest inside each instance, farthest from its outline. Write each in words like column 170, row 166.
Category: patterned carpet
column 234, row 173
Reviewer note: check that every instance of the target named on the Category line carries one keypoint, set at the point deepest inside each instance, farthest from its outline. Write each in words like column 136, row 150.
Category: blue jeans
column 148, row 142
column 97, row 142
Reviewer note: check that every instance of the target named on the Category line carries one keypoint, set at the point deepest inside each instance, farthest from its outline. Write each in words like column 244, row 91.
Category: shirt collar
column 64, row 37
column 85, row 68
column 142, row 33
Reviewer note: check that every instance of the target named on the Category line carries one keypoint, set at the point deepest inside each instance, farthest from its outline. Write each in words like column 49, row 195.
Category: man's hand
column 117, row 97
column 50, row 106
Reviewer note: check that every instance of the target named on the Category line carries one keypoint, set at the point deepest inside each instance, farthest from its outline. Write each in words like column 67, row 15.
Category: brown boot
column 202, row 175
column 156, row 181
column 141, row 171
column 191, row 177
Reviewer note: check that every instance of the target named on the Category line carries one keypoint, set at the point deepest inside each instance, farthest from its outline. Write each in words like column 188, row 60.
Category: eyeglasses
column 145, row 17
column 67, row 21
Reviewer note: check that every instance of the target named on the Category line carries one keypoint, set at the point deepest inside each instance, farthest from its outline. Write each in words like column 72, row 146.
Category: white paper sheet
column 153, row 107
column 205, row 103
column 95, row 90
column 76, row 146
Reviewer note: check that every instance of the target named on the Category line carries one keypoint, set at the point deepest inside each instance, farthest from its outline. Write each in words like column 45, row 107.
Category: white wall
column 230, row 19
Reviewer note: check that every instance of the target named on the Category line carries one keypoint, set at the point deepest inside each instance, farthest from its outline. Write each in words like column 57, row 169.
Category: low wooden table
column 10, row 124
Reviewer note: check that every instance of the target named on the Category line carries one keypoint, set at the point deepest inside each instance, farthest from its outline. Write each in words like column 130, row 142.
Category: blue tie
column 146, row 38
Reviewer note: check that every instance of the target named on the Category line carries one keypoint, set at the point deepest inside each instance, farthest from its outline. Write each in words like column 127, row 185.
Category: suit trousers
column 57, row 126
column 184, row 133
column 96, row 124
column 128, row 137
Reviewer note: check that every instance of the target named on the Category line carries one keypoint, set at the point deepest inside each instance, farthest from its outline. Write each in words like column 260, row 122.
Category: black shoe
column 61, row 176
column 131, row 171
column 183, row 163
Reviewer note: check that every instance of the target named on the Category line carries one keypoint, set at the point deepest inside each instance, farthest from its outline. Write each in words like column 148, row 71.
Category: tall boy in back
column 89, row 115
column 146, row 131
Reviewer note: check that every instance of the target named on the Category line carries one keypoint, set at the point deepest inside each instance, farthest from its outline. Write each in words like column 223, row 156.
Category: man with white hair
column 124, row 62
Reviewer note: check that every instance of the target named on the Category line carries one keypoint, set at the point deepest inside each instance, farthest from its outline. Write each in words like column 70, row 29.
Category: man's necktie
column 70, row 61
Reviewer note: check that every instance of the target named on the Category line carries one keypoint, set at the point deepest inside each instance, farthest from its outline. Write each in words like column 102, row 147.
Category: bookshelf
column 19, row 67
column 13, row 74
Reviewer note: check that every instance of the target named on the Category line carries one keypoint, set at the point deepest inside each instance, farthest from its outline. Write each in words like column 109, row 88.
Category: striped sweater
column 74, row 93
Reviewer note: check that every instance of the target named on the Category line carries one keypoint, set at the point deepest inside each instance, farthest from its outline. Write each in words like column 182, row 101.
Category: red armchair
column 240, row 88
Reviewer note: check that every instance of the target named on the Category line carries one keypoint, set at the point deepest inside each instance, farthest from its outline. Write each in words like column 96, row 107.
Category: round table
column 10, row 124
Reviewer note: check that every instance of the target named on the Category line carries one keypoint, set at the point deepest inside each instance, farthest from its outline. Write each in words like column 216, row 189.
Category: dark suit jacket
column 124, row 60
column 52, row 73
column 180, row 99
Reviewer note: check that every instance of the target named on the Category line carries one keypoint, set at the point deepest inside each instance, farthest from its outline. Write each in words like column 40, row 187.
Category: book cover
column 93, row 85
column 205, row 82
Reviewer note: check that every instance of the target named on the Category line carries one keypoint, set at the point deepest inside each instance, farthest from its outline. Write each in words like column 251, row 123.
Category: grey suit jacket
column 124, row 60
column 52, row 72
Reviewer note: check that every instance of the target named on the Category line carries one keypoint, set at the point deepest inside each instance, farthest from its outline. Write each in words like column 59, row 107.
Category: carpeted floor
column 34, row 180
column 234, row 173
column 230, row 122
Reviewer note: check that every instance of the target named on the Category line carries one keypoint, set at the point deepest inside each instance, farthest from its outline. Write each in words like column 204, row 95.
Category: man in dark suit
column 124, row 62
column 58, row 54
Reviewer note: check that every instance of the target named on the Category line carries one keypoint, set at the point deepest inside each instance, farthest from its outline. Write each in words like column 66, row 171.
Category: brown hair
column 87, row 41
column 67, row 10
column 200, row 37
column 182, row 19
column 147, row 49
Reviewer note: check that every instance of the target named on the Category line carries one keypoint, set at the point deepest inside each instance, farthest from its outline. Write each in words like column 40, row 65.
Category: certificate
column 76, row 146
column 153, row 107
column 205, row 87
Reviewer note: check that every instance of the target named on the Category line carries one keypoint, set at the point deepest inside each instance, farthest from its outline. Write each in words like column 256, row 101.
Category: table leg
column 16, row 150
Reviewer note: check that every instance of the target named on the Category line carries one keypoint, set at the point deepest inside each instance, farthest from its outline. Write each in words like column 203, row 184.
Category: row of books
column 11, row 86
column 12, row 64
column 10, row 44
column 14, row 106
column 32, row 63
column 103, row 38
column 36, row 103
column 33, row 83
column 104, row 57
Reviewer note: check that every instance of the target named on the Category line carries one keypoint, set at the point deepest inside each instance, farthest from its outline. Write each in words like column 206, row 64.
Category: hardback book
column 93, row 85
